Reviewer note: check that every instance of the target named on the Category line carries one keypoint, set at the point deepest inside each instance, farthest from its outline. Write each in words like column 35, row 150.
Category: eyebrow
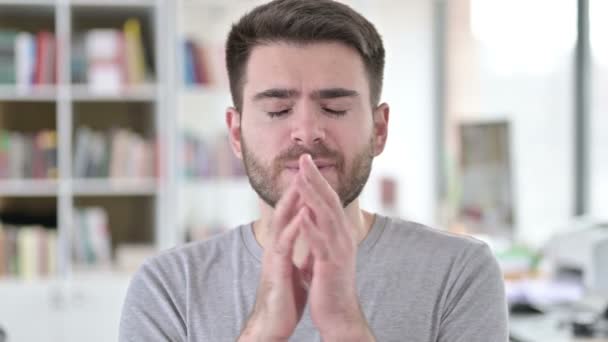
column 276, row 93
column 333, row 93
column 281, row 93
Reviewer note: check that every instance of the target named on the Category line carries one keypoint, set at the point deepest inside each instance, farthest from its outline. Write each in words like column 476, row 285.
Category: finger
column 284, row 210
column 317, row 244
column 287, row 237
column 321, row 214
column 306, row 271
column 312, row 173
column 282, row 250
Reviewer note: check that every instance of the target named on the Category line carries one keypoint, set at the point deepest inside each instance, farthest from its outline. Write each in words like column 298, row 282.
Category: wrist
column 254, row 332
column 361, row 335
column 351, row 331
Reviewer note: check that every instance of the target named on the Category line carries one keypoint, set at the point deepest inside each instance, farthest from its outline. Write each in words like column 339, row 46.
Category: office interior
column 113, row 147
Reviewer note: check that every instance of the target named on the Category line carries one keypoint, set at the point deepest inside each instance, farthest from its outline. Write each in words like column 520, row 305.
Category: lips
column 320, row 163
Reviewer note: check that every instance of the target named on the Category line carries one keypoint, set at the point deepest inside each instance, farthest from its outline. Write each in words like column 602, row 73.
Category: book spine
column 25, row 61
column 8, row 69
column 3, row 257
column 42, row 51
column 134, row 52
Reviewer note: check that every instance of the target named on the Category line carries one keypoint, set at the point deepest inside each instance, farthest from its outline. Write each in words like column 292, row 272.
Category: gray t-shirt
column 415, row 284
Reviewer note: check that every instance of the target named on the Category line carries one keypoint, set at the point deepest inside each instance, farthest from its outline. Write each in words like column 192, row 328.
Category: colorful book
column 8, row 65
column 105, row 65
column 189, row 68
column 134, row 52
column 92, row 243
column 45, row 58
column 25, row 52
column 3, row 258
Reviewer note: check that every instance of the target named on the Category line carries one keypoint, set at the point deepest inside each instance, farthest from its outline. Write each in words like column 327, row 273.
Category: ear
column 233, row 121
column 381, row 116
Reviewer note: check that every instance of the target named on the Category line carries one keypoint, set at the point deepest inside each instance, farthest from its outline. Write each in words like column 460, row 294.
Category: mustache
column 319, row 151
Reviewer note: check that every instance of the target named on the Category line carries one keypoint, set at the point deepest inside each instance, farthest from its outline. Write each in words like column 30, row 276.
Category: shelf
column 43, row 93
column 84, row 187
column 113, row 3
column 28, row 188
column 215, row 182
column 27, row 2
column 145, row 92
column 204, row 90
column 225, row 4
column 80, row 92
column 114, row 187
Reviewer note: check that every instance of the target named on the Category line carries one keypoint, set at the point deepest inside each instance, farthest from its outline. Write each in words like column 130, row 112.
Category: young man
column 306, row 78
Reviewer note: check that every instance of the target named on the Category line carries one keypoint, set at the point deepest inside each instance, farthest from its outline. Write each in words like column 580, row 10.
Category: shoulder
column 168, row 275
column 195, row 255
column 416, row 237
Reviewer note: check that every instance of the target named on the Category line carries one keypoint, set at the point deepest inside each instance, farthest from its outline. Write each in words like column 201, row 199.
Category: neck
column 359, row 220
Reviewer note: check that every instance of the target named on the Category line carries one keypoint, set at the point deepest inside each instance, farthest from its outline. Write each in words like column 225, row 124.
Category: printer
column 582, row 252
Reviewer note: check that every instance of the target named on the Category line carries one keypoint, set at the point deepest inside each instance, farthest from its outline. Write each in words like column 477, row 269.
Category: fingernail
column 303, row 158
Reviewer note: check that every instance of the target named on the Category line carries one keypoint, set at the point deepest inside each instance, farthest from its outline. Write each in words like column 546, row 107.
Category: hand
column 282, row 292
column 333, row 299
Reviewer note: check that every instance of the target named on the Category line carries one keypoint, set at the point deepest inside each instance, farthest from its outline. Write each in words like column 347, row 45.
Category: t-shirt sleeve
column 475, row 308
column 154, row 310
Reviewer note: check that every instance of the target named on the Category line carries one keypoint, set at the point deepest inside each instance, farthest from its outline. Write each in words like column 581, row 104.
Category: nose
column 308, row 128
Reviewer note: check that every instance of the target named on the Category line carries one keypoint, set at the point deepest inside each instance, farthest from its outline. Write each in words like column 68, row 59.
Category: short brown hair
column 301, row 22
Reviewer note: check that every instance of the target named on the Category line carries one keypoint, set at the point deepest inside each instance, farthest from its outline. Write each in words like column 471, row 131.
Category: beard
column 264, row 178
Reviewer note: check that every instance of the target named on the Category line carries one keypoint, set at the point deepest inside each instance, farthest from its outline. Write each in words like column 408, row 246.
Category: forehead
column 305, row 67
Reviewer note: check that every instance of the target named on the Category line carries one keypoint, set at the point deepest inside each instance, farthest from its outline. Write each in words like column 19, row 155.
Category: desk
column 543, row 328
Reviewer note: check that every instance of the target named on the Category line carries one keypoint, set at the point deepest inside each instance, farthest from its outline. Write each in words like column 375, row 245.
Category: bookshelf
column 207, row 201
column 173, row 200
column 70, row 46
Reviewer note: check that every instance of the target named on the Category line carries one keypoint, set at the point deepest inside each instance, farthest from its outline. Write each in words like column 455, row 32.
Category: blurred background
column 113, row 147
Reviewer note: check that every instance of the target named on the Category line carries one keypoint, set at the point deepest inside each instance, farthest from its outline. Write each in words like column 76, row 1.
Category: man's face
column 311, row 98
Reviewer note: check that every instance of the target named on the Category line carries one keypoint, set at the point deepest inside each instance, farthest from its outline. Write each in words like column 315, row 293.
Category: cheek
column 263, row 147
column 264, row 135
column 352, row 137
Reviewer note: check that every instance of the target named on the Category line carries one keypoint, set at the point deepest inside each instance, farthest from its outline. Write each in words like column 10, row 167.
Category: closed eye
column 335, row 112
column 278, row 114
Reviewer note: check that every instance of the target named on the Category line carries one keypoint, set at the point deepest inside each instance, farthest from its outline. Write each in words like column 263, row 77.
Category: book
column 49, row 152
column 8, row 65
column 79, row 62
column 51, row 248
column 45, row 70
column 16, row 155
column 197, row 64
column 189, row 69
column 119, row 153
column 27, row 249
column 27, row 155
column 25, row 53
column 3, row 261
column 201, row 158
column 4, row 153
column 27, row 59
column 27, row 252
column 105, row 70
column 12, row 257
column 92, row 242
column 109, row 59
column 201, row 65
column 134, row 52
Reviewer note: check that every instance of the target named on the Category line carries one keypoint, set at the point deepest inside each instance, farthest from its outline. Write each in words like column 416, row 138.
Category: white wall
column 407, row 30
column 540, row 109
column 598, row 143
